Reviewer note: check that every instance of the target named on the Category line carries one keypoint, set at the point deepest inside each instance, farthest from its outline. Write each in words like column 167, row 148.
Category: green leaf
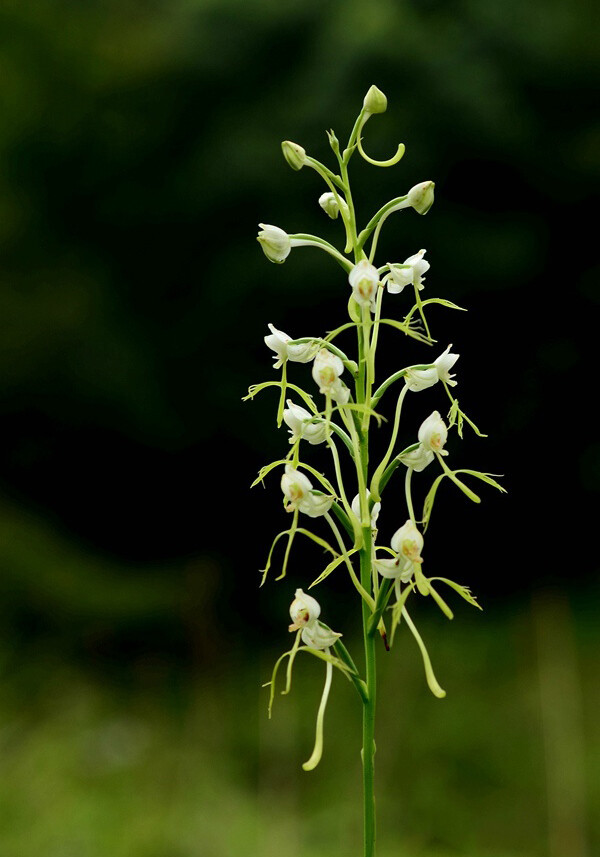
column 254, row 389
column 407, row 330
column 463, row 591
column 440, row 601
column 485, row 477
column 331, row 567
column 397, row 609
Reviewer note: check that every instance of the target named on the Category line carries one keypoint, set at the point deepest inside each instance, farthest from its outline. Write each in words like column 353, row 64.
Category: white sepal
column 297, row 489
column 444, row 363
column 304, row 609
column 433, row 433
column 299, row 422
column 326, row 371
column 420, row 379
column 374, row 511
column 408, row 542
column 418, row 459
column 364, row 279
column 395, row 569
column 279, row 341
column 410, row 272
column 316, row 636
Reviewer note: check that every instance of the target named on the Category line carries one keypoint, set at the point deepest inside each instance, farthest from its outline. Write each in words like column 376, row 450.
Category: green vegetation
column 167, row 767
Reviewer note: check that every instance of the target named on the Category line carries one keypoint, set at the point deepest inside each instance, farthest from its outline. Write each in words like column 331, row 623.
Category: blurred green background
column 139, row 148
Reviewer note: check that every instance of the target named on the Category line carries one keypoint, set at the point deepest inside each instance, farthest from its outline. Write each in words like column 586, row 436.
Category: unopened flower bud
column 276, row 243
column 375, row 101
column 294, row 154
column 329, row 204
column 420, row 197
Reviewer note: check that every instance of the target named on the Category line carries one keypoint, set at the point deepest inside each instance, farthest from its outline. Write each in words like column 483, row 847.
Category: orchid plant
column 385, row 577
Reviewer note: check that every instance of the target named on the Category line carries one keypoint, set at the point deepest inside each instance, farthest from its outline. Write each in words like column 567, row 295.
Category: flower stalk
column 346, row 397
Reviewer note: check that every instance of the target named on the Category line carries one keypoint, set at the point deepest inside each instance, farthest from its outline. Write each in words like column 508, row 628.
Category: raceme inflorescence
column 334, row 400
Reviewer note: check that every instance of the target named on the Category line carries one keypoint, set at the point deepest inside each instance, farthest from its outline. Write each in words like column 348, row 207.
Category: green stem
column 375, row 492
column 368, row 728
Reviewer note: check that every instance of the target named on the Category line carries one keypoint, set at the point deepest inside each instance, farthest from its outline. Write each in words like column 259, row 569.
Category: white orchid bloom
column 301, row 426
column 304, row 610
column 327, row 369
column 374, row 511
column 420, row 197
column 276, row 243
column 409, row 273
column 433, row 433
column 420, row 379
column 364, row 279
column 298, row 491
column 316, row 636
column 279, row 341
column 408, row 542
column 418, row 458
column 444, row 363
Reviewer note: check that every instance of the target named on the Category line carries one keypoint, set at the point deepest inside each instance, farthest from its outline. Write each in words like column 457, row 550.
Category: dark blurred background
column 139, row 149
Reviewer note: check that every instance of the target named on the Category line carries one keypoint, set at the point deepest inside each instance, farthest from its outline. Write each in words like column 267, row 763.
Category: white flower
column 304, row 612
column 316, row 636
column 329, row 204
column 433, row 433
column 410, row 272
column 420, row 379
column 276, row 243
column 327, row 369
column 374, row 511
column 408, row 542
column 444, row 363
column 298, row 490
column 418, row 458
column 420, row 197
column 364, row 280
column 279, row 341
column 299, row 421
column 304, row 609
